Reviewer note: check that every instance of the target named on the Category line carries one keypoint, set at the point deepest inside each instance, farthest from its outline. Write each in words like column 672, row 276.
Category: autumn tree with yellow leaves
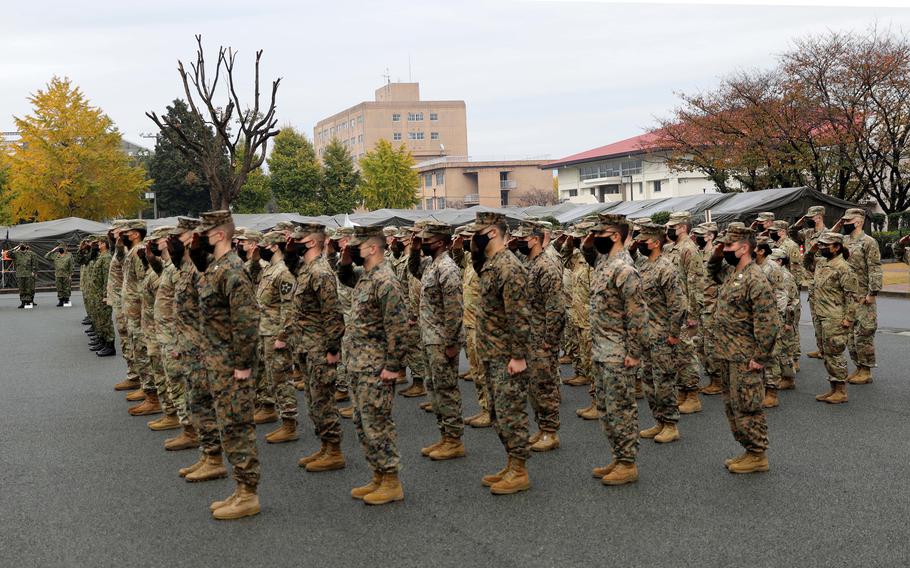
column 69, row 161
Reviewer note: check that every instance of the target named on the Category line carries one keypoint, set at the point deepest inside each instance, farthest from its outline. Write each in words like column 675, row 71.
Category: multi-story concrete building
column 627, row 170
column 428, row 129
column 458, row 181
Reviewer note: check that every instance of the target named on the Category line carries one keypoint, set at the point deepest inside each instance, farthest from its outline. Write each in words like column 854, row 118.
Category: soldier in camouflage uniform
column 789, row 334
column 814, row 223
column 661, row 289
column 230, row 324
column 63, row 272
column 113, row 294
column 746, row 319
column 580, row 313
column 470, row 286
column 376, row 332
column 619, row 319
column 685, row 254
column 779, row 233
column 319, row 324
column 441, row 313
column 26, row 263
column 416, row 359
column 398, row 261
column 103, row 322
column 91, row 295
column 866, row 262
column 780, row 367
column 337, row 241
column 503, row 337
column 546, row 305
column 836, row 298
column 705, row 233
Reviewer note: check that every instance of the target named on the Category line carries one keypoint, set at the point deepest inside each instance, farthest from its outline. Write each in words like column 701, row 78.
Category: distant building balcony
column 507, row 184
column 472, row 199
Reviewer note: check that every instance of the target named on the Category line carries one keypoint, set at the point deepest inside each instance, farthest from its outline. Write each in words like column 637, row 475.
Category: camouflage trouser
column 159, row 377
column 445, row 396
column 862, row 340
column 372, row 401
column 614, row 385
column 476, row 367
column 63, row 285
column 342, row 383
column 415, row 359
column 140, row 355
column 508, row 396
column 200, row 406
column 126, row 347
column 570, row 342
column 659, row 378
column 320, row 396
column 543, row 387
column 706, row 350
column 278, row 365
column 265, row 389
column 774, row 370
column 816, row 321
column 789, row 343
column 234, row 402
column 103, row 322
column 177, row 368
column 834, row 338
column 26, row 288
column 687, row 377
column 743, row 393
column 583, row 351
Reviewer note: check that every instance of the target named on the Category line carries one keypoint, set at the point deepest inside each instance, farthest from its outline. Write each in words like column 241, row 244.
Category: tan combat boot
column 341, row 396
column 489, row 480
column 577, row 381
column 213, row 468
column 482, row 420
column 862, row 376
column 650, row 432
column 691, row 404
column 669, row 433
column 787, row 383
column 135, row 396
column 373, row 485
column 389, row 490
column 770, row 400
column 184, row 471
column 300, row 385
column 166, row 422
column 231, row 497
column 151, row 405
column 730, row 461
column 548, row 441
column 814, row 355
column 599, row 472
column 533, row 439
column 589, row 413
column 425, row 452
column 265, row 414
column 346, row 412
column 426, row 406
column 565, row 359
column 639, row 389
column 824, row 396
column 183, row 441
column 839, row 396
column 302, row 462
column 450, row 449
column 287, row 432
column 795, row 366
column 713, row 388
column 623, row 473
column 330, row 460
column 245, row 504
column 515, row 479
column 127, row 385
column 752, row 462
column 416, row 389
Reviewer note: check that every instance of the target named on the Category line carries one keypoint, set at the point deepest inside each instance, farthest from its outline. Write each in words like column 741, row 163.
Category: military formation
column 222, row 327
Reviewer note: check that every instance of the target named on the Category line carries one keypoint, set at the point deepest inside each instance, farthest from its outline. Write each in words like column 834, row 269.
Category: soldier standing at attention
column 705, row 234
column 26, row 263
column 836, row 300
column 814, row 221
column 230, row 323
column 619, row 319
column 747, row 323
column 866, row 261
column 336, row 243
column 546, row 304
column 114, row 295
column 416, row 360
column 660, row 285
column 776, row 371
column 376, row 331
column 470, row 287
column 789, row 332
column 441, row 314
column 686, row 256
column 779, row 234
column 104, row 324
column 63, row 272
column 131, row 237
column 318, row 324
column 503, row 337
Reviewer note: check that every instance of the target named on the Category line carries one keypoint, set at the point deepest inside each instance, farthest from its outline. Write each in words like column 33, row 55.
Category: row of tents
column 723, row 208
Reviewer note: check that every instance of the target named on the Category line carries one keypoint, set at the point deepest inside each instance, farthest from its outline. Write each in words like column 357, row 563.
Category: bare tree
column 246, row 149
column 537, row 196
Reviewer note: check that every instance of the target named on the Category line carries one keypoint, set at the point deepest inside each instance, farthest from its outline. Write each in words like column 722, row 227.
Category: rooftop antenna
column 388, row 78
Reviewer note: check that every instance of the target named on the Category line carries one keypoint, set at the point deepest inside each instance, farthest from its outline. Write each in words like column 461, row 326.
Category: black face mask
column 397, row 248
column 198, row 254
column 775, row 237
column 701, row 242
column 125, row 241
column 466, row 245
column 849, row 228
column 603, row 244
column 523, row 247
column 481, row 242
column 206, row 245
column 142, row 257
column 810, row 223
column 94, row 254
column 356, row 257
column 635, row 234
column 643, row 249
column 153, row 248
column 175, row 248
column 731, row 258
column 427, row 249
column 826, row 252
column 241, row 252
column 266, row 254
column 671, row 234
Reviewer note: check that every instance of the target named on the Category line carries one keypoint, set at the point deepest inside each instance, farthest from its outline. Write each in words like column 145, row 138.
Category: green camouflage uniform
column 836, row 299
column 547, row 310
column 376, row 333
column 149, row 328
column 265, row 390
column 275, row 295
column 807, row 238
column 866, row 262
column 133, row 275
column 790, row 339
column 470, row 285
column 707, row 352
column 115, row 300
column 26, row 263
column 685, row 254
column 790, row 247
column 579, row 314
column 230, row 324
column 773, row 272
column 63, row 273
column 344, row 301
column 97, row 275
column 165, row 314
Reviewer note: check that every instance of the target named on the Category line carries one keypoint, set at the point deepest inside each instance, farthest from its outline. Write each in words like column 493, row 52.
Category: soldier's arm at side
column 873, row 267
column 765, row 319
column 327, row 291
column 244, row 319
column 695, row 278
column 288, row 307
column 850, row 286
column 636, row 312
column 555, row 306
column 394, row 320
column 453, row 306
column 515, row 298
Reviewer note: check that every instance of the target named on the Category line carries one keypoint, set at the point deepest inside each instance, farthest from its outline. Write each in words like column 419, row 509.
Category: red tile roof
column 634, row 145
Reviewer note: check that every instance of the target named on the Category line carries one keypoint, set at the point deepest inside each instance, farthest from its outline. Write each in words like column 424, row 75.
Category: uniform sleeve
column 852, row 294
column 636, row 312
column 675, row 301
column 244, row 319
column 287, row 287
column 394, row 320
column 415, row 265
column 453, row 304
column 590, row 256
column 695, row 283
column 797, row 235
column 347, row 275
column 515, row 298
column 765, row 319
column 554, row 305
column 326, row 288
column 809, row 263
column 873, row 266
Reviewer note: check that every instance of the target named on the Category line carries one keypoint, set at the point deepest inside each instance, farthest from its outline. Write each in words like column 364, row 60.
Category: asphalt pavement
column 82, row 483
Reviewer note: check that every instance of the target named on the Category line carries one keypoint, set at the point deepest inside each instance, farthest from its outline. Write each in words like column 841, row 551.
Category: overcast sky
column 538, row 77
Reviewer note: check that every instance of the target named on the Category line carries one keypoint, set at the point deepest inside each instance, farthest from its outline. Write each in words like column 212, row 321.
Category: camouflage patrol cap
column 486, row 219
column 528, row 228
column 304, row 229
column 419, row 224
column 160, row 232
column 765, row 216
column 679, row 218
column 640, row 222
column 780, row 225
column 211, row 219
column 118, row 224
column 361, row 234
column 466, row 230
column 853, row 212
column 185, row 224
column 830, row 238
column 652, row 231
column 778, row 254
column 134, row 225
column 403, row 233
column 705, row 228
column 736, row 232
column 342, row 232
column 250, row 235
column 762, row 240
column 605, row 220
column 581, row 230
column 435, row 229
column 283, row 226
column 239, row 231
column 273, row 238
column 815, row 210
column 389, row 230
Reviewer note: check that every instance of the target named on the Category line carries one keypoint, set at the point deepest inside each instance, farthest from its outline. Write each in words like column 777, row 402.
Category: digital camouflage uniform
column 265, row 390
column 441, row 314
column 166, row 329
column 773, row 272
column 275, row 295
column 26, row 263
column 580, row 313
column 471, row 299
column 416, row 359
column 807, row 238
column 789, row 337
column 836, row 300
column 344, row 301
column 131, row 298
column 63, row 273
column 376, row 332
column 114, row 296
column 230, row 324
column 103, row 323
column 866, row 262
column 149, row 331
column 89, row 293
column 685, row 254
column 319, row 324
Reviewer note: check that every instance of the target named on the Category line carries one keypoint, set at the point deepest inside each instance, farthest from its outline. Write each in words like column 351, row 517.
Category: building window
column 428, row 180
column 434, row 136
column 396, row 117
column 434, row 116
column 430, row 203
column 360, row 119
column 656, row 186
column 440, row 178
column 352, row 124
column 573, row 192
column 415, row 135
column 396, row 136
column 360, row 138
column 441, row 202
column 504, row 198
column 415, row 116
